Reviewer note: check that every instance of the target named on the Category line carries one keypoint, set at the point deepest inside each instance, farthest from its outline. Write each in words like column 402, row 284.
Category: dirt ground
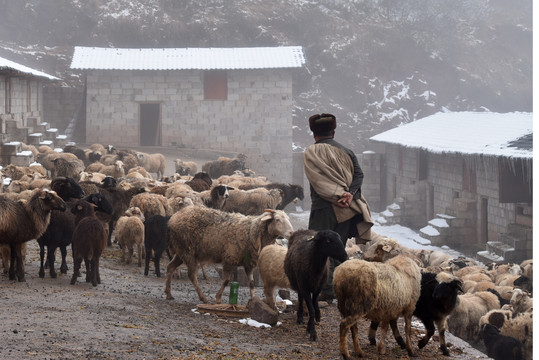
column 128, row 317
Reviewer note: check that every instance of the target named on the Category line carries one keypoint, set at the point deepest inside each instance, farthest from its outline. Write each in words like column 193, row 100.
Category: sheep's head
column 50, row 200
column 135, row 211
column 278, row 223
column 382, row 250
column 329, row 243
column 518, row 295
column 101, row 203
column 67, row 188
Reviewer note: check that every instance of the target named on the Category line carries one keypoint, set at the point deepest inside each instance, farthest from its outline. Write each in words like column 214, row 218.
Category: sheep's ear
column 79, row 207
column 387, row 248
column 268, row 215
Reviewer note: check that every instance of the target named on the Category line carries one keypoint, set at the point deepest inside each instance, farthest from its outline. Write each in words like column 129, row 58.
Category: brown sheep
column 70, row 168
column 130, row 234
column 116, row 170
column 185, row 167
column 22, row 222
column 252, row 202
column 224, row 166
column 197, row 235
column 89, row 241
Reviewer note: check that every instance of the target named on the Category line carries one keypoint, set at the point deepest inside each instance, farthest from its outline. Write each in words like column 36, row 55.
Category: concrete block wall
column 256, row 118
column 60, row 105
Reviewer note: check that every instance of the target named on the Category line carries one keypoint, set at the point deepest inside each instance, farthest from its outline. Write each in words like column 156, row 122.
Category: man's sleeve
column 357, row 180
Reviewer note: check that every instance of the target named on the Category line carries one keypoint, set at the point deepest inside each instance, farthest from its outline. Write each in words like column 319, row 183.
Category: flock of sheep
column 226, row 215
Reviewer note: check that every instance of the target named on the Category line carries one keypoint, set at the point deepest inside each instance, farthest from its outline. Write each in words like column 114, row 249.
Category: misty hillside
column 373, row 63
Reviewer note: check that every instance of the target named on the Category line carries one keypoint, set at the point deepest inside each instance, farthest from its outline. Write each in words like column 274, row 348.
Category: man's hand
column 345, row 200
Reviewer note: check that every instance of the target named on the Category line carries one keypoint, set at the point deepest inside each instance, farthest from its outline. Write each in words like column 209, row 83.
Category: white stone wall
column 255, row 119
column 21, row 91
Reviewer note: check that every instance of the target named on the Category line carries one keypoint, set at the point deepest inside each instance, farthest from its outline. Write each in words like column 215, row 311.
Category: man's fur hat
column 322, row 124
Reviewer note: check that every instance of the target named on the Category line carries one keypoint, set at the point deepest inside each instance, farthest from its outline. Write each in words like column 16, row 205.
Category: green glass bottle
column 234, row 289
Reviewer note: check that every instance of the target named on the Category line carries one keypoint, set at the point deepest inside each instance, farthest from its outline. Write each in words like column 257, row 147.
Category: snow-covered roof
column 11, row 65
column 188, row 58
column 471, row 133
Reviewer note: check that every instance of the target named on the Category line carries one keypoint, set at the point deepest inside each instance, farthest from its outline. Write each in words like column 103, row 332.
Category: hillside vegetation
column 374, row 63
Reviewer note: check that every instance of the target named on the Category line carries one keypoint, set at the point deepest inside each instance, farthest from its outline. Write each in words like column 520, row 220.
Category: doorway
column 484, row 220
column 150, row 124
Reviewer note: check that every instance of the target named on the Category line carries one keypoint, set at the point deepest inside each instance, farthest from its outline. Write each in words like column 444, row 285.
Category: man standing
column 335, row 179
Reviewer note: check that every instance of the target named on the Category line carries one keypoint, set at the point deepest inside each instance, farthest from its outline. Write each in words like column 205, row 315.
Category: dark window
column 515, row 181
column 215, row 85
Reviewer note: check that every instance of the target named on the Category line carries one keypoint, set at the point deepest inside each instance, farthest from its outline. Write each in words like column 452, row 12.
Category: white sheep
column 130, row 234
column 153, row 163
column 116, row 171
column 521, row 301
column 464, row 320
column 271, row 267
column 252, row 202
column 198, row 235
column 380, row 292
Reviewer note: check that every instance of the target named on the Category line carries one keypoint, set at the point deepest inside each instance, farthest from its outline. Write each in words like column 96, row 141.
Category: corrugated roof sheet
column 187, row 58
column 472, row 133
column 8, row 64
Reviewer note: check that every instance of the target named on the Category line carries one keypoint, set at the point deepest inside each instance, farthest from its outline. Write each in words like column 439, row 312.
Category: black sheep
column 437, row 300
column 501, row 347
column 89, row 241
column 306, row 266
column 155, row 234
column 60, row 229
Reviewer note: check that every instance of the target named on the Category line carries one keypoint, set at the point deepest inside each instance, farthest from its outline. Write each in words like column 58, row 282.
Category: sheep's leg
column 381, row 347
column 172, row 265
column 372, row 332
column 41, row 260
column 204, row 275
column 129, row 254
column 408, row 333
column 396, row 333
column 76, row 270
column 316, row 307
column 109, row 238
column 15, row 268
column 88, row 269
column 346, row 324
column 269, row 297
column 192, row 270
column 63, row 267
column 97, row 276
column 311, row 329
column 429, row 325
column 147, row 261
column 51, row 250
column 441, row 333
column 355, row 338
column 156, row 261
column 93, row 273
column 139, row 253
column 249, row 273
column 227, row 269
column 299, row 317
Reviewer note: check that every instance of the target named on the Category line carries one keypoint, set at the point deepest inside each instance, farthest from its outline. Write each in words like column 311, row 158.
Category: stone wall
column 255, row 119
column 60, row 105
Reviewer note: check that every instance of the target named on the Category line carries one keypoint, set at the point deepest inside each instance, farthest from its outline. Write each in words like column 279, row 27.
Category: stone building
column 225, row 99
column 464, row 179
column 21, row 111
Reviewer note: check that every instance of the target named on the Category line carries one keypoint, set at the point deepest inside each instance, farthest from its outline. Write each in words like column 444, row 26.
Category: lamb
column 307, row 268
column 501, row 347
column 153, row 163
column 79, row 152
column 89, row 241
column 521, row 301
column 138, row 170
column 271, row 267
column 224, row 166
column 95, row 177
column 433, row 257
column 17, row 172
column 380, row 292
column 464, row 320
column 130, row 160
column 185, row 167
column 130, row 234
column 519, row 327
column 98, row 148
column 116, row 171
column 386, row 248
column 199, row 235
column 22, row 222
column 252, row 202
